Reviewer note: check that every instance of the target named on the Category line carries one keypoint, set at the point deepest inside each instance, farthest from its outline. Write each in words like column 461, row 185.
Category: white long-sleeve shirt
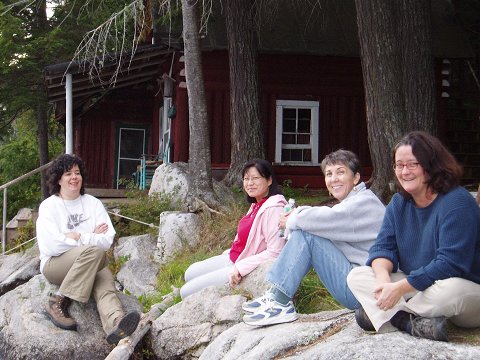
column 57, row 217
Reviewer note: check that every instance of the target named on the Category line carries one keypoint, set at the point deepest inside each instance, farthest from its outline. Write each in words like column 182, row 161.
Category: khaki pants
column 455, row 298
column 82, row 271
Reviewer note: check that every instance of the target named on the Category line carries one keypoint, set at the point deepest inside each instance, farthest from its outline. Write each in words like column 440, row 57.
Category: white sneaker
column 259, row 303
column 275, row 314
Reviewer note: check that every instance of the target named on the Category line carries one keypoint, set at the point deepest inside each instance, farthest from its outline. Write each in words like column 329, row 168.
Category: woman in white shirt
column 73, row 232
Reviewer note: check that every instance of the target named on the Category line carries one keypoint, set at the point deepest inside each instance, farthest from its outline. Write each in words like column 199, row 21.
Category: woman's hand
column 101, row 229
column 388, row 294
column 234, row 278
column 282, row 222
column 73, row 235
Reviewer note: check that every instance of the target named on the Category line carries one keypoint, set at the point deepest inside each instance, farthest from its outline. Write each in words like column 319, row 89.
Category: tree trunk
column 41, row 108
column 199, row 161
column 417, row 65
column 398, row 77
column 247, row 139
column 42, row 134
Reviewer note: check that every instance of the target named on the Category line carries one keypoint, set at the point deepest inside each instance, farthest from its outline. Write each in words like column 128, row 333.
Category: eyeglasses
column 411, row 165
column 254, row 179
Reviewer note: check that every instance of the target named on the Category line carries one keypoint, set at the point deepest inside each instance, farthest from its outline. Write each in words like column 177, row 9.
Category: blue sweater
column 437, row 242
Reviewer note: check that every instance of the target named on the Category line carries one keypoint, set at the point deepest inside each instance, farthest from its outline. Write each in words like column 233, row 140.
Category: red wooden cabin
column 311, row 98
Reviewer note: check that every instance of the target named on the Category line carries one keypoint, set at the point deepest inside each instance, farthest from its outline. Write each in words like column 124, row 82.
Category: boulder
column 177, row 229
column 173, row 179
column 254, row 284
column 330, row 335
column 26, row 333
column 18, row 268
column 184, row 330
column 139, row 271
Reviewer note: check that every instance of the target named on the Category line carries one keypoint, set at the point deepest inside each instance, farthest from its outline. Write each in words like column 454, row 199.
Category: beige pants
column 455, row 298
column 82, row 271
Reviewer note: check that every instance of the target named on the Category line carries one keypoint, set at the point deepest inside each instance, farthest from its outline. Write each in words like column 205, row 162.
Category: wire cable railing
column 116, row 213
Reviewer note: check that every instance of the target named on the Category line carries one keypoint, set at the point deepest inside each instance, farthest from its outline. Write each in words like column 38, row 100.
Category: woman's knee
column 357, row 275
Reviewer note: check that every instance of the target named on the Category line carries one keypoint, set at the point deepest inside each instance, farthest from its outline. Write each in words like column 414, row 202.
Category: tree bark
column 247, row 140
column 398, row 77
column 199, row 161
column 41, row 108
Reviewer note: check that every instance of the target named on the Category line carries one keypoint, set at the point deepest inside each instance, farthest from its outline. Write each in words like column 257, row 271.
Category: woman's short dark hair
column 341, row 156
column 61, row 165
column 265, row 169
column 443, row 170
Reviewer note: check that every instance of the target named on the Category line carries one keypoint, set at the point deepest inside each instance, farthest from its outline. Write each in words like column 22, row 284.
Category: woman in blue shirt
column 425, row 264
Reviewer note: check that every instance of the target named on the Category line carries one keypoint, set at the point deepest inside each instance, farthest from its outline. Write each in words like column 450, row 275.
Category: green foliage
column 116, row 264
column 25, row 233
column 293, row 193
column 19, row 155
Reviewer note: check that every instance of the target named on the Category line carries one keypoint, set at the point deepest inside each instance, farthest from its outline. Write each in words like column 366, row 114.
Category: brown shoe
column 124, row 326
column 57, row 311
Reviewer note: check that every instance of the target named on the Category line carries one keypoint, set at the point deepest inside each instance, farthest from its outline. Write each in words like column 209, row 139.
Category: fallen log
column 126, row 346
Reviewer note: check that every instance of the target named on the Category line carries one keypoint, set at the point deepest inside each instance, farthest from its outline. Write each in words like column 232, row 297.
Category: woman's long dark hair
column 61, row 165
column 442, row 169
column 265, row 169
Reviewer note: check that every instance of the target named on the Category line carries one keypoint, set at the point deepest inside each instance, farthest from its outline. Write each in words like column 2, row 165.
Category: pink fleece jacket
column 263, row 242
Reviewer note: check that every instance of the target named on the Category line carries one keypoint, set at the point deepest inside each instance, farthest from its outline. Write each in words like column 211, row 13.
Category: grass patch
column 313, row 297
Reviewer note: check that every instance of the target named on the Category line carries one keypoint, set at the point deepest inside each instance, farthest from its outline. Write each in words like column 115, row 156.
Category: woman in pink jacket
column 257, row 239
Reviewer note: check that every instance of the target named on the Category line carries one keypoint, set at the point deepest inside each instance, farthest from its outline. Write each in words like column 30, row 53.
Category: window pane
column 304, row 126
column 303, row 139
column 289, row 125
column 307, row 155
column 131, row 143
column 290, row 114
column 286, row 155
column 296, row 154
column 288, row 139
column 304, row 114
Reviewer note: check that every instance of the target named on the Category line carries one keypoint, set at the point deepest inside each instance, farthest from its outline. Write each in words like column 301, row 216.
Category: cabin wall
column 336, row 83
column 96, row 131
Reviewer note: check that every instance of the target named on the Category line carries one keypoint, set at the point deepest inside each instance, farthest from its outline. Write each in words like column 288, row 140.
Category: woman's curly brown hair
column 61, row 165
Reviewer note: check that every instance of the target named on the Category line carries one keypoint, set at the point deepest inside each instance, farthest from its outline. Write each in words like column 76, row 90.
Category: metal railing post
column 4, row 226
column 4, row 188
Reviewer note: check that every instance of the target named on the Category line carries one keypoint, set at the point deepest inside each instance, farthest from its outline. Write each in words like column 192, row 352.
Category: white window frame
column 297, row 104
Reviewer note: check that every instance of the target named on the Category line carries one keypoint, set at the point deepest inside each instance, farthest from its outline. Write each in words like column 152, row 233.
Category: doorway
column 131, row 144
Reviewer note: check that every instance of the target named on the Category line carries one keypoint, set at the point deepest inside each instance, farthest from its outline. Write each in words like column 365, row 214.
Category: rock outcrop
column 207, row 325
column 139, row 270
column 26, row 333
column 16, row 269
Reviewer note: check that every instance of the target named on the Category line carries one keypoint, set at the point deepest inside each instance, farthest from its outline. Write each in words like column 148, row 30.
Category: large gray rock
column 177, row 229
column 26, row 333
column 254, row 284
column 139, row 272
column 18, row 268
column 330, row 336
column 173, row 180
column 185, row 329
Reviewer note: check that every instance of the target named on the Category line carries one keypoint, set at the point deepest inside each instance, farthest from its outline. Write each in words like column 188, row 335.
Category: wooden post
column 126, row 346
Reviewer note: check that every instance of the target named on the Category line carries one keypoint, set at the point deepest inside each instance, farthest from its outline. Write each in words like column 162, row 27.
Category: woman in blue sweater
column 425, row 264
